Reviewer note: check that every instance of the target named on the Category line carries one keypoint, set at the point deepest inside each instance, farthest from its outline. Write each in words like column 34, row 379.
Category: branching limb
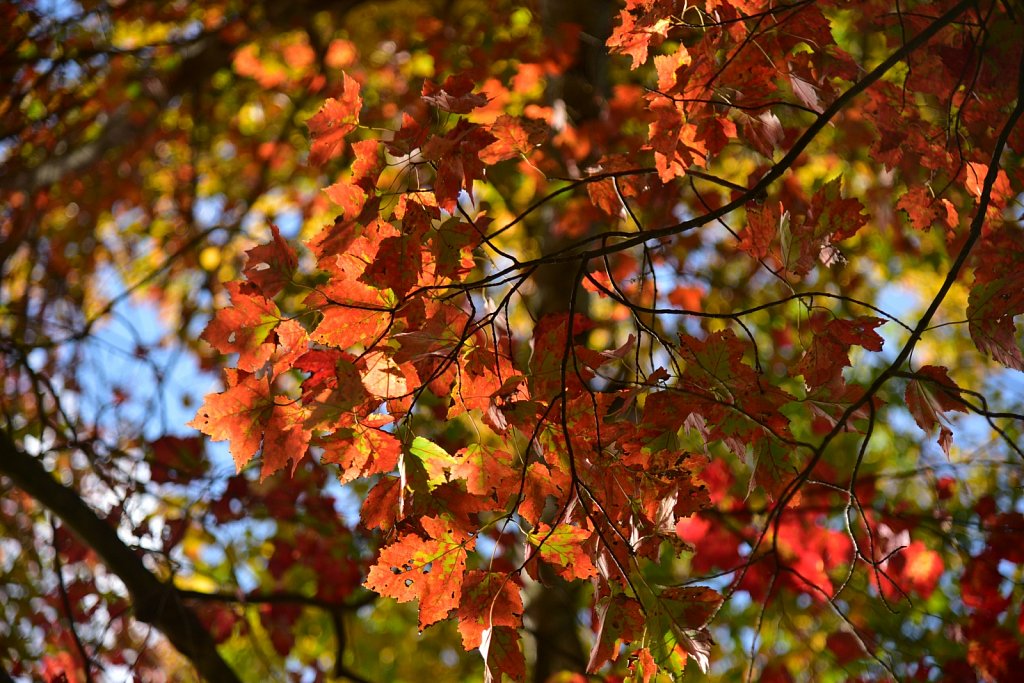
column 155, row 602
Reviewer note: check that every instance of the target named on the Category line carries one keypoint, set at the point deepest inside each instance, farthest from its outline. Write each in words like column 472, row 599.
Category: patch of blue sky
column 209, row 211
column 59, row 10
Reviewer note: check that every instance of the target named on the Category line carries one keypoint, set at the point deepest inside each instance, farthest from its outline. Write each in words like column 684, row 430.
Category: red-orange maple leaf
column 502, row 656
column 455, row 95
column 562, row 548
column 247, row 415
column 244, row 327
column 829, row 352
column 489, row 599
column 927, row 398
column 336, row 119
column 271, row 266
column 429, row 569
column 513, row 136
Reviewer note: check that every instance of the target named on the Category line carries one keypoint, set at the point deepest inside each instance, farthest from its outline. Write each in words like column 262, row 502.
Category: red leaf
column 562, row 548
column 502, row 656
column 244, row 328
column 1001, row 193
column 457, row 155
column 923, row 210
column 991, row 308
column 284, row 438
column 455, row 95
column 361, row 449
column 271, row 266
column 429, row 570
column 674, row 140
column 238, row 415
column 489, row 599
column 635, row 36
column 829, row 352
column 762, row 226
column 931, row 396
column 353, row 313
column 836, row 218
column 397, row 265
column 336, row 119
column 513, row 136
column 620, row 620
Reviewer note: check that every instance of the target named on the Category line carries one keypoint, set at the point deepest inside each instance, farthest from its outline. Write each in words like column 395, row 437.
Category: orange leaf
column 271, row 266
column 336, row 119
column 244, row 328
column 429, row 569
column 455, row 95
column 489, row 599
column 513, row 136
column 562, row 548
column 238, row 415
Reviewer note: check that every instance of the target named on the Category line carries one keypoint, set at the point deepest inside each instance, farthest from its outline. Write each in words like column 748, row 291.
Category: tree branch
column 155, row 602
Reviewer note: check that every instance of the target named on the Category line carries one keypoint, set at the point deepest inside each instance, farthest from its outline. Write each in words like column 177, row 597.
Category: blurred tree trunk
column 552, row 607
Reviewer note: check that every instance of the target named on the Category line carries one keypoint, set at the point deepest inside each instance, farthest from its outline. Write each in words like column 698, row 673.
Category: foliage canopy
column 633, row 342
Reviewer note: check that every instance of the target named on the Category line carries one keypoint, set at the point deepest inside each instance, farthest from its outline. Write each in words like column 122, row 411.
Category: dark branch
column 154, row 601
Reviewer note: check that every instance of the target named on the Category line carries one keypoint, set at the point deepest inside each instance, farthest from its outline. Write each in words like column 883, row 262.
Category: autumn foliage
column 737, row 353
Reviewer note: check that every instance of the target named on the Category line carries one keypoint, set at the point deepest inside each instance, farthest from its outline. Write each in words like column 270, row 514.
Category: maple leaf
column 634, row 36
column 457, row 155
column 925, row 211
column 353, row 313
column 330, row 370
column 452, row 246
column 620, row 620
column 763, row 222
column 562, row 548
column 244, row 328
column 836, row 217
column 604, row 195
column 430, row 570
column 361, row 448
column 380, row 508
column 284, row 438
column 691, row 607
column 675, row 623
column 991, row 307
column 382, row 377
column 674, row 140
column 502, row 657
column 487, row 471
column 1001, row 193
column 764, row 132
column 336, row 119
column 489, row 600
column 549, row 346
column 929, row 397
column 397, row 264
column 247, row 415
column 643, row 667
column 436, row 461
column 349, row 196
column 829, row 351
column 669, row 66
column 271, row 266
column 238, row 415
column 513, row 136
column 455, row 95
